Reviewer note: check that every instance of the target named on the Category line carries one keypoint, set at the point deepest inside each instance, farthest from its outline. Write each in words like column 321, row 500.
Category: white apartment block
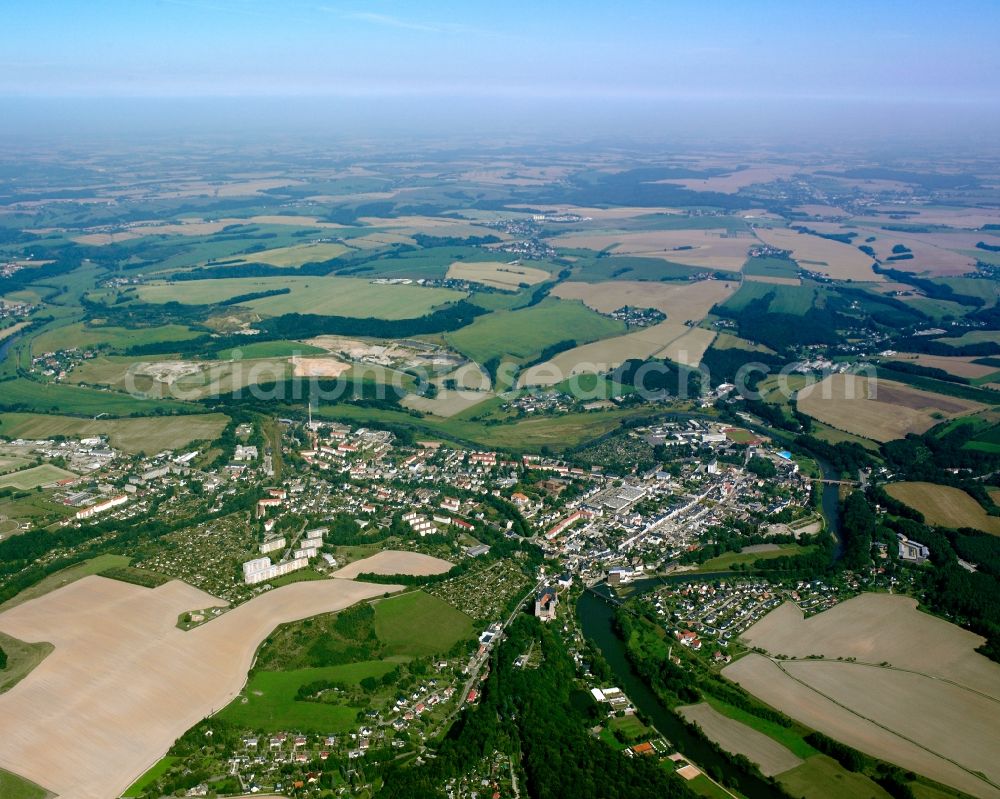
column 261, row 569
column 100, row 507
column 272, row 546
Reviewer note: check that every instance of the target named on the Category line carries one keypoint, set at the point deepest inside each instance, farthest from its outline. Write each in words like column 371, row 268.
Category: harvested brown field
column 733, row 736
column 195, row 227
column 295, row 221
column 601, row 356
column 765, row 679
column 880, row 627
column 600, row 214
column 7, row 332
column 395, row 561
column 432, row 225
column 496, row 274
column 833, row 258
column 817, row 210
column 135, row 434
column 971, row 218
column 318, row 367
column 960, row 366
column 670, row 339
column 712, row 249
column 918, row 694
column 727, row 341
column 739, row 179
column 297, row 254
column 375, row 241
column 190, row 227
column 945, row 506
column 690, row 348
column 103, row 707
column 938, row 253
column 514, row 174
column 882, row 410
column 446, row 403
column 681, row 302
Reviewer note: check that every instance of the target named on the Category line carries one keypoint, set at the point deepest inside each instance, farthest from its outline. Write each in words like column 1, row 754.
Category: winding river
column 596, row 616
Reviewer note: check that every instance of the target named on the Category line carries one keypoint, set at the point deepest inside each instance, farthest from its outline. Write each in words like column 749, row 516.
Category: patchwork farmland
column 882, row 677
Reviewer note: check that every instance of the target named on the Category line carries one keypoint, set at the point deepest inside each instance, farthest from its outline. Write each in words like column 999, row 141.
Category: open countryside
column 416, row 401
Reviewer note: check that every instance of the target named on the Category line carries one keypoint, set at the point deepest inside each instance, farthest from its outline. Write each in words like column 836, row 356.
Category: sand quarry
column 124, row 682
column 918, row 695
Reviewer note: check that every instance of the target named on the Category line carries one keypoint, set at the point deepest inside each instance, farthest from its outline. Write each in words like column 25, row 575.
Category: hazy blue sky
column 638, row 49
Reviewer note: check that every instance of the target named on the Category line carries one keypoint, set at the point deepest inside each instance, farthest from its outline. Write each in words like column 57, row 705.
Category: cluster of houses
column 620, row 529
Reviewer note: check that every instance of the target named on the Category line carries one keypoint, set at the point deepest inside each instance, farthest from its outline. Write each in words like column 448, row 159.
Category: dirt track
column 124, row 682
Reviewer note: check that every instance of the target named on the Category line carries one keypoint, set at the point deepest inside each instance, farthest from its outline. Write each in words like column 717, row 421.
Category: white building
column 272, row 545
column 100, row 507
column 261, row 570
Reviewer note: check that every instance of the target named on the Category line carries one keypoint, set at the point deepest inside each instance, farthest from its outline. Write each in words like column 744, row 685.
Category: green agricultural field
column 662, row 221
column 149, row 434
column 14, row 787
column 589, row 386
column 269, row 349
column 417, row 623
column 937, row 310
column 430, row 262
column 974, row 337
column 333, row 296
column 767, row 266
column 268, row 702
column 789, row 737
column 525, row 333
column 924, row 789
column 630, row 726
column 835, row 436
column 22, row 657
column 27, row 479
column 987, row 290
column 730, row 559
column 161, row 254
column 31, row 396
column 86, row 336
column 297, row 254
column 986, row 257
column 591, row 269
column 30, row 508
column 821, row 777
column 787, row 299
column 151, row 776
column 527, row 435
column 703, row 786
column 10, row 463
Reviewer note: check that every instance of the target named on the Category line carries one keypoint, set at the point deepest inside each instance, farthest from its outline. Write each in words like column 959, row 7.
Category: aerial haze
column 526, row 401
